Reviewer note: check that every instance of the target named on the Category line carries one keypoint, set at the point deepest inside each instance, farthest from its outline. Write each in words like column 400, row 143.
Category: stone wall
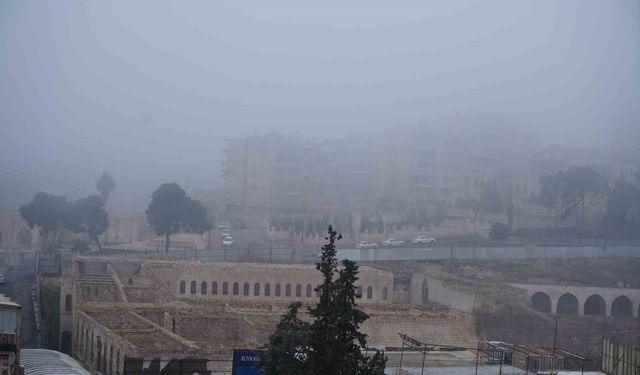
column 263, row 282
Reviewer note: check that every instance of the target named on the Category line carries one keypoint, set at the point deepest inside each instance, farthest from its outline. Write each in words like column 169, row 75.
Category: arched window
column 256, row 289
column 68, row 302
column 183, row 287
column 384, row 293
column 359, row 292
column 236, row 289
column 203, row 287
column 278, row 291
column 193, row 287
column 370, row 292
column 287, row 290
column 214, row 287
column 309, row 290
column 246, row 289
column 267, row 289
column 225, row 288
column 541, row 302
column 298, row 290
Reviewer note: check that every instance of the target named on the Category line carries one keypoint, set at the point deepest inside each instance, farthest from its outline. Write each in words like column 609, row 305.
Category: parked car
column 366, row 245
column 392, row 242
column 2, row 279
column 423, row 240
column 223, row 227
column 227, row 241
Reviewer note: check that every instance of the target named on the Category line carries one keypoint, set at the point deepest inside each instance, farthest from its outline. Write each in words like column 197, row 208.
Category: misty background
column 149, row 90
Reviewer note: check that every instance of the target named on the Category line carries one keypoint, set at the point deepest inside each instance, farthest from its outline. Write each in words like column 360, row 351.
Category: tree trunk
column 44, row 241
column 97, row 239
column 166, row 241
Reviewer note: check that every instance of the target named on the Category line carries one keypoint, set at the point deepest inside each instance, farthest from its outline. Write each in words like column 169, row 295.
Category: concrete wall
column 428, row 289
column 525, row 252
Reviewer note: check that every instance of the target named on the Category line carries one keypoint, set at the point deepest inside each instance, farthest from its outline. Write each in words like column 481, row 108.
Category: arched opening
column 567, row 304
column 68, row 302
column 384, row 293
column 267, row 289
column 256, row 289
column 203, row 287
column 425, row 292
column 541, row 302
column 298, row 290
column 225, row 288
column 245, row 289
column 214, row 287
column 193, row 287
column 594, row 305
column 287, row 290
column 278, row 290
column 621, row 306
column 236, row 289
column 359, row 291
column 183, row 287
column 369, row 292
column 309, row 291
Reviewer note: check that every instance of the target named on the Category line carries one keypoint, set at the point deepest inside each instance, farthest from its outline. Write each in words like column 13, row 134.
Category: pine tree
column 288, row 345
column 332, row 344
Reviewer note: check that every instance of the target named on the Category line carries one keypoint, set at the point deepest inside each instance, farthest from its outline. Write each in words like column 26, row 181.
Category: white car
column 227, row 241
column 366, row 245
column 392, row 242
column 423, row 239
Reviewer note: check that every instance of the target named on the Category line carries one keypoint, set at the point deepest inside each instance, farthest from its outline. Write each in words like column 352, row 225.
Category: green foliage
column 105, row 186
column 622, row 216
column 87, row 215
column 332, row 343
column 288, row 346
column 567, row 190
column 499, row 232
column 45, row 211
column 171, row 210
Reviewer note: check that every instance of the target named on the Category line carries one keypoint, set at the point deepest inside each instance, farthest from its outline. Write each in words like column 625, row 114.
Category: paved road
column 20, row 280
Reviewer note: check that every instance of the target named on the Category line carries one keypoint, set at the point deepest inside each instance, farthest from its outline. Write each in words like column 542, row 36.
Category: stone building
column 127, row 315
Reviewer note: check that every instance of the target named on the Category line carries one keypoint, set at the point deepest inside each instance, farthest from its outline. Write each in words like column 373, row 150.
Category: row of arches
column 593, row 305
column 267, row 290
column 94, row 350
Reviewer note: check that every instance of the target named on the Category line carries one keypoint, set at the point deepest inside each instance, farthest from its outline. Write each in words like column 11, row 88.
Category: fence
column 620, row 359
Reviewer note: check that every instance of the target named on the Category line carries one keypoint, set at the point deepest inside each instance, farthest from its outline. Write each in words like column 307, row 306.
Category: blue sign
column 246, row 362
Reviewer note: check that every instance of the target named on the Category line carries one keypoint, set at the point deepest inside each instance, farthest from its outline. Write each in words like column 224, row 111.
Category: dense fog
column 149, row 90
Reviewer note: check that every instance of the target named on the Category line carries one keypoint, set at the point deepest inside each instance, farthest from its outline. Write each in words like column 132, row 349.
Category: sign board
column 246, row 362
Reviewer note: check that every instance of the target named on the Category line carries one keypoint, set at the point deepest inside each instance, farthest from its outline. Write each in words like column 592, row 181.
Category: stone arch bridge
column 582, row 300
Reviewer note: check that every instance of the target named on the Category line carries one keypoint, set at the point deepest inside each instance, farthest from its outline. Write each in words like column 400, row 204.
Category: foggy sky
column 148, row 90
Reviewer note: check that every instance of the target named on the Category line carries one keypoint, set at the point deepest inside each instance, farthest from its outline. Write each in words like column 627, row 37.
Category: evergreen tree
column 288, row 345
column 332, row 343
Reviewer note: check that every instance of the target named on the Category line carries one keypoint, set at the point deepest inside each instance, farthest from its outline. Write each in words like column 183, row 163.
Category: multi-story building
column 427, row 167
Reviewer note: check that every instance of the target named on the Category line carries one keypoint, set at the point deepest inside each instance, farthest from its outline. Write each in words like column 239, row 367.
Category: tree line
column 567, row 191
column 170, row 211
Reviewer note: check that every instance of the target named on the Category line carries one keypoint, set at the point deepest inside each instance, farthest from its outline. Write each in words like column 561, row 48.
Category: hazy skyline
column 148, row 90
